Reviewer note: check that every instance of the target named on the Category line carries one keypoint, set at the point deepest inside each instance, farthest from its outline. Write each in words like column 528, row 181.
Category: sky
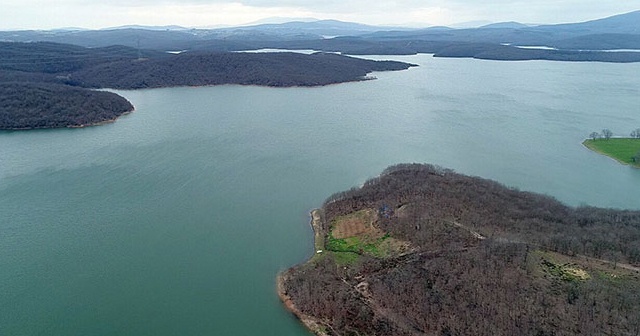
column 94, row 14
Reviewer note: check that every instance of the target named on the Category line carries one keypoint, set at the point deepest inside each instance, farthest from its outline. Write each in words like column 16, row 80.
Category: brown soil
column 356, row 224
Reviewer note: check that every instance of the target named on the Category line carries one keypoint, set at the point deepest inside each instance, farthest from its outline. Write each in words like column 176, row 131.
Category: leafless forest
column 485, row 260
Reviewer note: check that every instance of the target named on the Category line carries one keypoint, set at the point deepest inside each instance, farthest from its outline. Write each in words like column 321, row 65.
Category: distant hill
column 57, row 58
column 616, row 32
column 470, row 24
column 164, row 28
column 128, row 68
column 143, row 38
column 280, row 19
column 628, row 23
column 320, row 27
column 178, row 38
column 517, row 33
column 599, row 42
column 503, row 25
column 266, row 69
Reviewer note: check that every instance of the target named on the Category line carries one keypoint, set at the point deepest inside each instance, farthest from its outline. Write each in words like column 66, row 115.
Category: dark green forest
column 275, row 69
column 45, row 105
column 477, row 258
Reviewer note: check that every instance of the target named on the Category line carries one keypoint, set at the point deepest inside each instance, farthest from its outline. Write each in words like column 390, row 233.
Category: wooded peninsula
column 45, row 85
column 422, row 250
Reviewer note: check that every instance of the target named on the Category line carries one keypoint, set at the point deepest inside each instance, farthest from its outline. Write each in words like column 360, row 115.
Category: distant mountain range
column 517, row 33
column 165, row 28
column 319, row 28
column 505, row 25
column 172, row 37
column 584, row 41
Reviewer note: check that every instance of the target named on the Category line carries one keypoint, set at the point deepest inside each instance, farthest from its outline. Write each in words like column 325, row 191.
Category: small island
column 422, row 250
column 623, row 150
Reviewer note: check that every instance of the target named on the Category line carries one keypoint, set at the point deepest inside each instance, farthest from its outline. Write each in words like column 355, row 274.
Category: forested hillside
column 275, row 69
column 29, row 105
column 422, row 250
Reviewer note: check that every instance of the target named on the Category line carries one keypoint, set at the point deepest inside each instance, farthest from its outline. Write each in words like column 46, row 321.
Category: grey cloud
column 544, row 9
column 22, row 13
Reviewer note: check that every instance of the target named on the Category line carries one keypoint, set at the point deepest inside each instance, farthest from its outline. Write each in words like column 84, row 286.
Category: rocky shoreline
column 313, row 324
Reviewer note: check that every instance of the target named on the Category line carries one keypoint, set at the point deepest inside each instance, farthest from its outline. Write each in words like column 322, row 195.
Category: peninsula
column 45, row 85
column 623, row 150
column 422, row 250
column 46, row 105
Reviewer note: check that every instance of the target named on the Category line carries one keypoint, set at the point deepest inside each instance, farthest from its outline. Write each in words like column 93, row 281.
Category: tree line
column 47, row 105
column 607, row 134
column 275, row 69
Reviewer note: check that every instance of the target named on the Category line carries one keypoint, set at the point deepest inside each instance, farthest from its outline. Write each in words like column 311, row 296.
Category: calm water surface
column 175, row 219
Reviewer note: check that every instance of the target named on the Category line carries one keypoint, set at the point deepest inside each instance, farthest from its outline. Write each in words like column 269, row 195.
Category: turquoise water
column 175, row 219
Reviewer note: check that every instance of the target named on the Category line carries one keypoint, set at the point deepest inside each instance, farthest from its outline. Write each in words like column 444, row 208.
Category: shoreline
column 97, row 123
column 364, row 78
column 104, row 122
column 316, row 326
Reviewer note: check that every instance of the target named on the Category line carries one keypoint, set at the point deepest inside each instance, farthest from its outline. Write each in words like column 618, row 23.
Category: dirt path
column 473, row 233
column 318, row 232
column 610, row 263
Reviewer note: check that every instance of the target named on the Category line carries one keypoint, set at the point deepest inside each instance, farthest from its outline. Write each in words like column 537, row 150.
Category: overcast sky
column 41, row 14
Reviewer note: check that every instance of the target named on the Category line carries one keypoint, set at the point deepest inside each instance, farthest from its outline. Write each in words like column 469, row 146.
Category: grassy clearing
column 357, row 234
column 572, row 268
column 357, row 245
column 561, row 266
column 620, row 149
column 566, row 272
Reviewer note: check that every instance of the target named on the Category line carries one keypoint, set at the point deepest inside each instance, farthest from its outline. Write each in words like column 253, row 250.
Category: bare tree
column 606, row 133
column 636, row 133
column 594, row 135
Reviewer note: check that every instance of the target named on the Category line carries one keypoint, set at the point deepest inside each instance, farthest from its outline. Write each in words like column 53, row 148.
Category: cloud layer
column 39, row 14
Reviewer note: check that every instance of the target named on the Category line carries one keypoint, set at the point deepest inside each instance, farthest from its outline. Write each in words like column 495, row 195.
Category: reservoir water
column 175, row 219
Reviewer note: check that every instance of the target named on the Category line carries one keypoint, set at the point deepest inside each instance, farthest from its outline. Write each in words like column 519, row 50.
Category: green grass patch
column 357, row 245
column 565, row 272
column 621, row 149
